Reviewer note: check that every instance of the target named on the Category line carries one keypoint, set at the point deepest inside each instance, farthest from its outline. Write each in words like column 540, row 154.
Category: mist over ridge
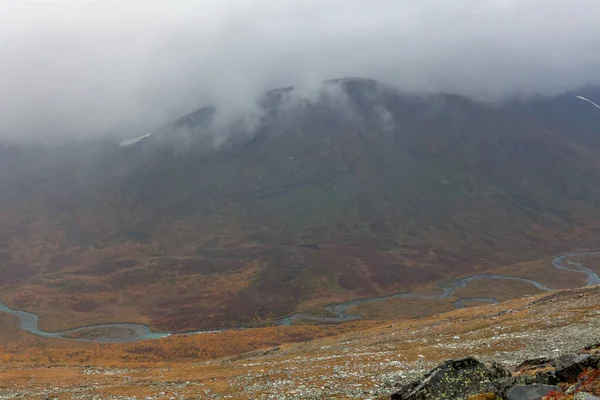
column 104, row 68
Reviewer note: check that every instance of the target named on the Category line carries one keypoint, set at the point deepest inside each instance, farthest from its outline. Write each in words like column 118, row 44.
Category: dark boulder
column 530, row 392
column 569, row 367
column 455, row 379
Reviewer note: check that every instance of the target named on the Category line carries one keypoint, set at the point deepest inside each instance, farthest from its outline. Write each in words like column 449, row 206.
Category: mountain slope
column 355, row 190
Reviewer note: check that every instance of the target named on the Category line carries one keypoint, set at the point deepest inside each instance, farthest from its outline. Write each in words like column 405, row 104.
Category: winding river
column 448, row 288
column 128, row 332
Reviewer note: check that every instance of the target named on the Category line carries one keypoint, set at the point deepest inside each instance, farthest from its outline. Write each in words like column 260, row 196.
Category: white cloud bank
column 85, row 67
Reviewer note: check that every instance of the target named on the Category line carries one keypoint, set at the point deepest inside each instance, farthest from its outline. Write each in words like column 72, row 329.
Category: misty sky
column 83, row 67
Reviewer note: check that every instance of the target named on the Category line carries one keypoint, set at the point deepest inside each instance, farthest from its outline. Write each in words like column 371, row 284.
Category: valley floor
column 366, row 362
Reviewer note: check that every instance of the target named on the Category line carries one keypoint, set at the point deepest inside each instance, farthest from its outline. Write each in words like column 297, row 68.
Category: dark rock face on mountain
column 467, row 378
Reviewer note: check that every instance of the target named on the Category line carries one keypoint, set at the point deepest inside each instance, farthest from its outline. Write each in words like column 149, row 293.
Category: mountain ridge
column 399, row 191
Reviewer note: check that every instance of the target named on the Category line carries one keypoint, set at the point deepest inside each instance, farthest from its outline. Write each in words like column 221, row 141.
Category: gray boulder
column 530, row 392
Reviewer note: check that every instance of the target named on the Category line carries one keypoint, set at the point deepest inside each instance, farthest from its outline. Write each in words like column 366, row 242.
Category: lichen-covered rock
column 456, row 379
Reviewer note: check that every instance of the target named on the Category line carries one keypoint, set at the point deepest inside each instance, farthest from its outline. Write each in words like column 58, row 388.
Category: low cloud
column 84, row 67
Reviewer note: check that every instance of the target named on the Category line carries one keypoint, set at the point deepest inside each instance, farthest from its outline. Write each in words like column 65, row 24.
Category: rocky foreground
column 571, row 376
column 372, row 364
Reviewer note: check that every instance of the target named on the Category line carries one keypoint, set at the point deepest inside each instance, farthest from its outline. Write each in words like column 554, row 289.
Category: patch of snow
column 129, row 142
column 588, row 100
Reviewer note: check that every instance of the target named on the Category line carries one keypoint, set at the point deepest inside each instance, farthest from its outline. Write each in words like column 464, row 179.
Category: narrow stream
column 104, row 333
column 448, row 288
column 128, row 332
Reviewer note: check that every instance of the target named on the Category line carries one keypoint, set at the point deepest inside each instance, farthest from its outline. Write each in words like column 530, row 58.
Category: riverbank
column 128, row 332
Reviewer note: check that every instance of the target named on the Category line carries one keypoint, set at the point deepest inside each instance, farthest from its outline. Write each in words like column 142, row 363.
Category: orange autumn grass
column 179, row 348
